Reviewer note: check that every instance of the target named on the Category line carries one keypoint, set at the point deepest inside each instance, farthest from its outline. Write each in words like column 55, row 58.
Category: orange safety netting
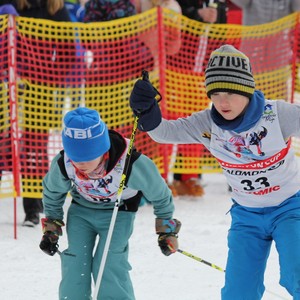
column 60, row 66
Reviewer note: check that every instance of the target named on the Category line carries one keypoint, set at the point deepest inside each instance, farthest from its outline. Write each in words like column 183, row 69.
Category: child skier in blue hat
column 250, row 137
column 90, row 167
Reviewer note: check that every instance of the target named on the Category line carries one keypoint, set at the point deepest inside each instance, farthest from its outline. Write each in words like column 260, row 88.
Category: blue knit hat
column 85, row 136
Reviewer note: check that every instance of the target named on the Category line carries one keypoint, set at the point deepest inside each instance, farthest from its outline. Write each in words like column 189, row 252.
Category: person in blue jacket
column 90, row 168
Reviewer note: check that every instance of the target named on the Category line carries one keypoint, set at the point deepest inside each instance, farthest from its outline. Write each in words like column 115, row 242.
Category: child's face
column 228, row 105
column 88, row 166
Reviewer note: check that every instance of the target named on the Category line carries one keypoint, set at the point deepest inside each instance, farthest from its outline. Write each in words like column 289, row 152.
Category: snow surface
column 27, row 273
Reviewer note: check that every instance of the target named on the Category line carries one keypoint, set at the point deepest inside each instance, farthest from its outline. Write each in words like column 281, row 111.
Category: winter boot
column 190, row 187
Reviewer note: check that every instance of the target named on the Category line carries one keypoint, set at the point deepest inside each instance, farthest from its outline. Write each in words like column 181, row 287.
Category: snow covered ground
column 26, row 273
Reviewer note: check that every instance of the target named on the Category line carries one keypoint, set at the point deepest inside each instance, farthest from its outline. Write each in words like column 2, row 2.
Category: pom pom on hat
column 229, row 70
column 85, row 136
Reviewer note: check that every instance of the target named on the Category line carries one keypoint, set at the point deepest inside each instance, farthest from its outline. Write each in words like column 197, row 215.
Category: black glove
column 52, row 230
column 48, row 246
column 167, row 235
column 145, row 106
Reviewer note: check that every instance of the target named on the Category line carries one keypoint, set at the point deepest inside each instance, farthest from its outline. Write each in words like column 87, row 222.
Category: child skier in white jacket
column 250, row 137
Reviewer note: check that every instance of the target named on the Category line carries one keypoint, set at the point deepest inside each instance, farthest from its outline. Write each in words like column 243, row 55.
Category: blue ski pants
column 80, row 261
column 249, row 241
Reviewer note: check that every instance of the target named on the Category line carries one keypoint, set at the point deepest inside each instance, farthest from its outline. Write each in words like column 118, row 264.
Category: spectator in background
column 5, row 137
column 265, row 54
column 172, row 34
column 76, row 9
column 256, row 12
column 35, row 140
column 54, row 10
column 234, row 13
column 106, row 10
column 106, row 62
column 206, row 12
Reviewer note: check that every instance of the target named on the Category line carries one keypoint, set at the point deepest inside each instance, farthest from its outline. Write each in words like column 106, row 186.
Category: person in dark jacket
column 204, row 11
column 53, row 10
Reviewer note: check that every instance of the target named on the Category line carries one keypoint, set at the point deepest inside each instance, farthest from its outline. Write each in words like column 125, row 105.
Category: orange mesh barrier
column 60, row 66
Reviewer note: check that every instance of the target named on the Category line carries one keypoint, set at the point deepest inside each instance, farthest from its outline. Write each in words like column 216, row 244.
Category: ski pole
column 116, row 207
column 200, row 260
column 222, row 270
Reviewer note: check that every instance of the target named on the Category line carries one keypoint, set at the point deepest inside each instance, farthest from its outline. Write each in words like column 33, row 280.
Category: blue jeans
column 79, row 264
column 250, row 237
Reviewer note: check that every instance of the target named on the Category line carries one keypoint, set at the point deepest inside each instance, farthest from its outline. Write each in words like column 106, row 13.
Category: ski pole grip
column 145, row 77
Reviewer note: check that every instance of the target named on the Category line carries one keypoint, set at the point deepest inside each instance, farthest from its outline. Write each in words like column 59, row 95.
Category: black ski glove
column 167, row 235
column 52, row 230
column 145, row 106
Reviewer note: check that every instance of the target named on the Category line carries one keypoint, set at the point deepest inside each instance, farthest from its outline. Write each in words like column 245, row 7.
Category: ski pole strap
column 200, row 260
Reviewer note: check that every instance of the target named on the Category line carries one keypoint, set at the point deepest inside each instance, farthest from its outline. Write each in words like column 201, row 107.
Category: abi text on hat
column 85, row 136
